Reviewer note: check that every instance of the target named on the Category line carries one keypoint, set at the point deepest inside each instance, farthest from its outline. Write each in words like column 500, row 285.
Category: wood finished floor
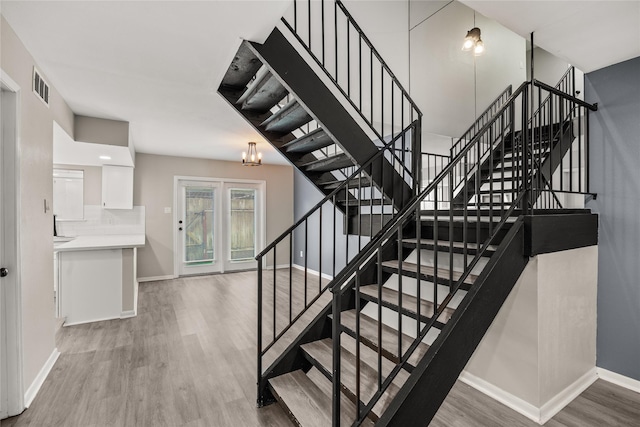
column 188, row 359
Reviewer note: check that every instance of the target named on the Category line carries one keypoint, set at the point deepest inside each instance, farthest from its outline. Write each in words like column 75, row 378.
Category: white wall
column 153, row 188
column 36, row 186
column 541, row 348
column 451, row 86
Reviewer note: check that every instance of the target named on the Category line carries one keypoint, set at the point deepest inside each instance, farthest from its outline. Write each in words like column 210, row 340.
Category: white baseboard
column 278, row 267
column 34, row 388
column 127, row 314
column 538, row 415
column 519, row 405
column 620, row 380
column 313, row 272
column 156, row 278
column 566, row 396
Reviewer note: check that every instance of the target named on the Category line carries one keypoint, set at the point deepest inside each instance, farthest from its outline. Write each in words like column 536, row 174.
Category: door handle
column 4, row 271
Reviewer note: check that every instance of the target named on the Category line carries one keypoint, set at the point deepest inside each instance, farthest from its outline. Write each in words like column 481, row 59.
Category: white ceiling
column 157, row 64
column 588, row 34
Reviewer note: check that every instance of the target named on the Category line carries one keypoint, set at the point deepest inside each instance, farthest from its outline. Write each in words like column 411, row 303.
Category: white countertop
column 97, row 242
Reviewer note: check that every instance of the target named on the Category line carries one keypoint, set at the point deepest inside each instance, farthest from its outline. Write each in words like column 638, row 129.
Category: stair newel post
column 417, row 150
column 259, row 337
column 291, row 276
column 451, row 282
column 400, row 258
column 526, row 170
column 335, row 334
column 358, row 406
column 379, row 331
column 419, row 269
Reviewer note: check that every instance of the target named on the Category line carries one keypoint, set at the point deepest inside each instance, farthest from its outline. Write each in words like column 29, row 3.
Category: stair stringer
column 430, row 382
column 300, row 79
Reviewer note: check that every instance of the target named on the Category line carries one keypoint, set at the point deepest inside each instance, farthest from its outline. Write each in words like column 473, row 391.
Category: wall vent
column 40, row 87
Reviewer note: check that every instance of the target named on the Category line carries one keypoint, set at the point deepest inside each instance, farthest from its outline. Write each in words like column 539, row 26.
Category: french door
column 219, row 225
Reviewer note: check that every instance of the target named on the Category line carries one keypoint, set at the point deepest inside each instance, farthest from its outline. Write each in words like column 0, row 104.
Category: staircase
column 396, row 283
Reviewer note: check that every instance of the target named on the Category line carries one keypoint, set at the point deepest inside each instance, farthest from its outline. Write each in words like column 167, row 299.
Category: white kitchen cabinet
column 117, row 187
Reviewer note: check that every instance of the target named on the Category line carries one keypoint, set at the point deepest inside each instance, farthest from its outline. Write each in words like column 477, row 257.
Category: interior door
column 243, row 225
column 199, row 227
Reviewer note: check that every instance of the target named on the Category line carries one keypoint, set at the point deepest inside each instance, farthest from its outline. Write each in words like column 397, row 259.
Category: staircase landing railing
column 335, row 41
column 326, row 245
column 479, row 230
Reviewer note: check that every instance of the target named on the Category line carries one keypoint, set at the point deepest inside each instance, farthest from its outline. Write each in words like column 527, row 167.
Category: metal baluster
column 274, row 292
column 290, row 276
column 306, row 257
column 335, row 333
column 259, row 343
column 320, row 253
column 400, row 258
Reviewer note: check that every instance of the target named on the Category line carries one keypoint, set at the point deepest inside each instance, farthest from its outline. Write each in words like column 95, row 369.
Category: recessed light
column 105, row 157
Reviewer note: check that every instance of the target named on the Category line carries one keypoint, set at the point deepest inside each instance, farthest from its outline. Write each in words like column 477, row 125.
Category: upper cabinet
column 117, row 187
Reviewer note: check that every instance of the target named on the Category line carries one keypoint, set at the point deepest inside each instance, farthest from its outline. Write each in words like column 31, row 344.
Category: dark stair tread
column 484, row 218
column 365, row 202
column 347, row 407
column 498, row 190
column 263, row 93
column 244, row 66
column 308, row 404
column 370, row 357
column 443, row 245
column 328, row 164
column 290, row 117
column 369, row 337
column 354, row 183
column 409, row 303
column 322, row 353
column 309, row 142
column 428, row 272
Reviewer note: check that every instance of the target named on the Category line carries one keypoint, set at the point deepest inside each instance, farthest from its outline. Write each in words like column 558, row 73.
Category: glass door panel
column 242, row 224
column 198, row 227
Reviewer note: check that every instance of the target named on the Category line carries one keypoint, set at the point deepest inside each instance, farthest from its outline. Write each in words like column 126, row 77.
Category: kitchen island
column 97, row 277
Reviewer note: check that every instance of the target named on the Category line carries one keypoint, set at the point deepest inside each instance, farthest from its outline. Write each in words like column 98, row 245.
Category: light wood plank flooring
column 188, row 359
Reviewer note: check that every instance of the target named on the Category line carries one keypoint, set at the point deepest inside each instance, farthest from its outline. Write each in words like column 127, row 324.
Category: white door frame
column 259, row 206
column 216, row 266
column 223, row 181
column 11, row 288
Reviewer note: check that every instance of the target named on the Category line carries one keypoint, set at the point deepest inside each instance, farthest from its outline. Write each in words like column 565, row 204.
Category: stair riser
column 473, row 234
column 410, row 287
column 428, row 258
column 390, row 318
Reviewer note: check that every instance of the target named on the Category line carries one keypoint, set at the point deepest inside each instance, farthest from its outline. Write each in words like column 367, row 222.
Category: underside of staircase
column 382, row 339
column 281, row 96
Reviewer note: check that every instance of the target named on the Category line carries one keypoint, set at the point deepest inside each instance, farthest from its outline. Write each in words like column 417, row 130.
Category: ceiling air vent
column 40, row 87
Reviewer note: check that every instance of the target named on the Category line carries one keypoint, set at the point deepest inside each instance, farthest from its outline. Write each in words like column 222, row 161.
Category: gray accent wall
column 306, row 195
column 615, row 177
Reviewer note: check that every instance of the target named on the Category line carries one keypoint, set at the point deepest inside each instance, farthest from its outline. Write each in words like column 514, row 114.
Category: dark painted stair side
column 284, row 61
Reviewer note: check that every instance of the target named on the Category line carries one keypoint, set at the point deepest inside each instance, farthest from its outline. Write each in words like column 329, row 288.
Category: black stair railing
column 480, row 229
column 356, row 202
column 335, row 41
column 482, row 119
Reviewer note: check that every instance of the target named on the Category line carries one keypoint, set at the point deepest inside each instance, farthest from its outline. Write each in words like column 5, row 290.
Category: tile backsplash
column 99, row 221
